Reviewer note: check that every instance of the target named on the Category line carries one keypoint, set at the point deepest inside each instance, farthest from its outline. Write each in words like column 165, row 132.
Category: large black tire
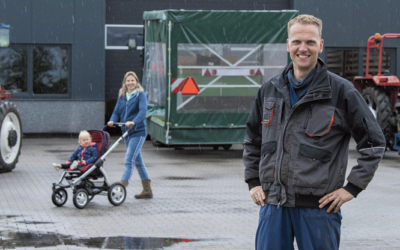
column 10, row 136
column 378, row 102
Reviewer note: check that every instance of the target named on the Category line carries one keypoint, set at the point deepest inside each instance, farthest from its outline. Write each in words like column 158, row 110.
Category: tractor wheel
column 379, row 105
column 10, row 136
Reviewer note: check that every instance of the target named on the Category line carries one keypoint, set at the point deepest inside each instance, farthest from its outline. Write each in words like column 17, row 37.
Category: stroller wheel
column 81, row 198
column 116, row 194
column 59, row 197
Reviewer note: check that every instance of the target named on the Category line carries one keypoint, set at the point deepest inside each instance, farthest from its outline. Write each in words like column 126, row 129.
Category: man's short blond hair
column 306, row 19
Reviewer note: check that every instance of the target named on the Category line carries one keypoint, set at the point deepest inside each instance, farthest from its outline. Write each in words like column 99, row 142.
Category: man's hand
column 258, row 195
column 339, row 197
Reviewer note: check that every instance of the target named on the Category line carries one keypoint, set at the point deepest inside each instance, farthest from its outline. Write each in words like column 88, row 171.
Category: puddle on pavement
column 18, row 239
column 35, row 222
column 2, row 217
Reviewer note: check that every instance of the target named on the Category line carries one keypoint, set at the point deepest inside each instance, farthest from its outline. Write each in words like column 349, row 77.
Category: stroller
column 83, row 182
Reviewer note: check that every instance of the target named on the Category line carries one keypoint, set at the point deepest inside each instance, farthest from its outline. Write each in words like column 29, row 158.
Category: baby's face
column 85, row 140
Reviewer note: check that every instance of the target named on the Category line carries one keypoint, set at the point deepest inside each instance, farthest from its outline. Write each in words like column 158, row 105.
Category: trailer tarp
column 229, row 54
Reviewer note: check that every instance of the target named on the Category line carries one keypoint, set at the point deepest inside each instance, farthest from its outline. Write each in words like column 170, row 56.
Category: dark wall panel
column 88, row 52
column 52, row 21
column 369, row 18
column 349, row 23
column 336, row 32
column 17, row 14
column 118, row 62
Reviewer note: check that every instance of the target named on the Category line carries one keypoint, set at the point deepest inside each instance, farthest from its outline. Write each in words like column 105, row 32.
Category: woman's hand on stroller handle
column 120, row 124
column 128, row 124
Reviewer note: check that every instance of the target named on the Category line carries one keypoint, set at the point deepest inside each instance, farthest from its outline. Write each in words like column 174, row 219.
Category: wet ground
column 200, row 202
column 15, row 240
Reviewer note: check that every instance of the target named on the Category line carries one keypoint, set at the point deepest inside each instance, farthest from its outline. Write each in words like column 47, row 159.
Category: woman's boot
column 146, row 193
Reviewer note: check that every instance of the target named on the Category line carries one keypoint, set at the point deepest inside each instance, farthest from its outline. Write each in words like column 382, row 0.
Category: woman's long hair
column 124, row 89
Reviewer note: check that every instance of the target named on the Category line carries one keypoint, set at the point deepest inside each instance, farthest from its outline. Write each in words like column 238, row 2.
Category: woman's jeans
column 133, row 157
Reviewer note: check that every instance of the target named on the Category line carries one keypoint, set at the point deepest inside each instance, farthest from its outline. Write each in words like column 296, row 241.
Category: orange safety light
column 252, row 72
column 214, row 72
column 377, row 37
column 190, row 87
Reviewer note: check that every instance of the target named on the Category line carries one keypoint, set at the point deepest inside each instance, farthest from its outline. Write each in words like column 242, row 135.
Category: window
column 387, row 63
column 117, row 36
column 13, row 69
column 228, row 75
column 344, row 63
column 349, row 63
column 35, row 70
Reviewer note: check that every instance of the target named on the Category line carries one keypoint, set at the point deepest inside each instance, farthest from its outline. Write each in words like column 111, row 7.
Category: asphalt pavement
column 200, row 202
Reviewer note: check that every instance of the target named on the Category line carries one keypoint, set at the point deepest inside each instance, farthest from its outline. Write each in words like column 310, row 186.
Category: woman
column 131, row 109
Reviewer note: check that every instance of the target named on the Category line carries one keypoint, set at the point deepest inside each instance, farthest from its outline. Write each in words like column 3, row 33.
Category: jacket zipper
column 308, row 116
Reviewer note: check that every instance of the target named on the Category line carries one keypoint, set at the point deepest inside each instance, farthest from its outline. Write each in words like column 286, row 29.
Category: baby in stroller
column 85, row 154
column 90, row 179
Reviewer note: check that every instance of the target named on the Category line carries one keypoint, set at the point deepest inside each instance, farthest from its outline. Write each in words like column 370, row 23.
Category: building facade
column 67, row 58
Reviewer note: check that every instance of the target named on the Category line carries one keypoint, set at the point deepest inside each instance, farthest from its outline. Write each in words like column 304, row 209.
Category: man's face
column 304, row 44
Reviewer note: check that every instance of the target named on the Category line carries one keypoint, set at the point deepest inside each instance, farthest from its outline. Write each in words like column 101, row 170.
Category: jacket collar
column 91, row 144
column 319, row 83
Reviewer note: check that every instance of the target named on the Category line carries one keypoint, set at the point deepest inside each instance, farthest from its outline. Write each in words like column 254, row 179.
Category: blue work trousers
column 313, row 228
column 133, row 158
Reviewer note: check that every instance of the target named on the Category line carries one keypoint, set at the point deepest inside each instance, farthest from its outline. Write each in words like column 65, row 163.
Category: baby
column 85, row 154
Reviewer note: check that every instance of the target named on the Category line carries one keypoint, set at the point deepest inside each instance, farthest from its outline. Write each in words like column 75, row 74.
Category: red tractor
column 10, row 122
column 381, row 92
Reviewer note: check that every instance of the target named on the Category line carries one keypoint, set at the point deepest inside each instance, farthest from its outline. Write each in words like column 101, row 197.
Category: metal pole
column 169, row 81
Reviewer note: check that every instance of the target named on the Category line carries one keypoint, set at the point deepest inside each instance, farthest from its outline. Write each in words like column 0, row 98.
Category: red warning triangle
column 207, row 73
column 258, row 73
column 190, row 87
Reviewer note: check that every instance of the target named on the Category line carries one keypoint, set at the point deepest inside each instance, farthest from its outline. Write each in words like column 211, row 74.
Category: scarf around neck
column 130, row 95
column 299, row 88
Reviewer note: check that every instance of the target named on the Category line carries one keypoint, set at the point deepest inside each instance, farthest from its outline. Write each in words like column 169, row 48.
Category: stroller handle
column 119, row 124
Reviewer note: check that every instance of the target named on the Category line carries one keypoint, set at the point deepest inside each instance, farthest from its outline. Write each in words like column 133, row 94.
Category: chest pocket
column 319, row 120
column 268, row 113
column 272, row 112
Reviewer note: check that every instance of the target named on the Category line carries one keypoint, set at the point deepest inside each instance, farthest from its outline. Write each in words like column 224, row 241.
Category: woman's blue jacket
column 133, row 110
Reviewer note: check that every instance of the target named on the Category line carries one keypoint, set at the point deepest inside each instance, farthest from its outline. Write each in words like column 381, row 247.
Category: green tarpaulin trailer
column 202, row 71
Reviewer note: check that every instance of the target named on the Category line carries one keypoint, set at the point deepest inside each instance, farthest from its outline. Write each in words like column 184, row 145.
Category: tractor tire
column 379, row 105
column 10, row 136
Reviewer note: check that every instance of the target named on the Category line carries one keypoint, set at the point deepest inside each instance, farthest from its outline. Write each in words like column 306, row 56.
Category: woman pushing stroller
column 131, row 109
column 85, row 154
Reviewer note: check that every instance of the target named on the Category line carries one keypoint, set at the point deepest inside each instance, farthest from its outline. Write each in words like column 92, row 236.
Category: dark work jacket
column 300, row 154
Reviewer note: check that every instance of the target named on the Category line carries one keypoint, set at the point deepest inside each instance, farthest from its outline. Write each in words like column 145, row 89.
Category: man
column 296, row 147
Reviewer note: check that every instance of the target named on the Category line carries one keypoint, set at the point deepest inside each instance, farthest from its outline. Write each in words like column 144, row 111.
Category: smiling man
column 296, row 147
